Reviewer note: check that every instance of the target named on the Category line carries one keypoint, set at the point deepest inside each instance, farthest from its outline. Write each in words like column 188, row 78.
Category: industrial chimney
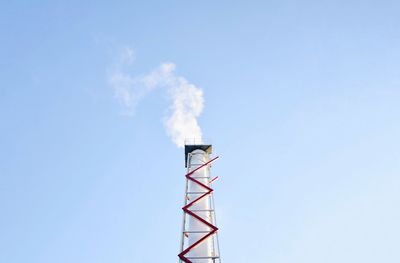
column 199, row 242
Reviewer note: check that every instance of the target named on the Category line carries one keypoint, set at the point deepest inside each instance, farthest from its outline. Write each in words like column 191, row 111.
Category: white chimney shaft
column 201, row 207
column 199, row 235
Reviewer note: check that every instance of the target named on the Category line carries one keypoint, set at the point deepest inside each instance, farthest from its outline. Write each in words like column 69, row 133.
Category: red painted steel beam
column 187, row 211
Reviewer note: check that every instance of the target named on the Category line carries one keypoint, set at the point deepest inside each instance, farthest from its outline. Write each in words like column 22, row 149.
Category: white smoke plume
column 186, row 99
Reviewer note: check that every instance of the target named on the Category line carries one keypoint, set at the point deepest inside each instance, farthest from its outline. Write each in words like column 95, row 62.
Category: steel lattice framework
column 187, row 212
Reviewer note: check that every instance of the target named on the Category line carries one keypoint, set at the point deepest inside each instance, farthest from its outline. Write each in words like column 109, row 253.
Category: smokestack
column 199, row 242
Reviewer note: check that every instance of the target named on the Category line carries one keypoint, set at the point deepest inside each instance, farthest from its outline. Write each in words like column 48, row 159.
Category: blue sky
column 301, row 103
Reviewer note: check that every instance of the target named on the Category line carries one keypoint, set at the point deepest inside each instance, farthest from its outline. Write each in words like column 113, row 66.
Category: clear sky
column 301, row 103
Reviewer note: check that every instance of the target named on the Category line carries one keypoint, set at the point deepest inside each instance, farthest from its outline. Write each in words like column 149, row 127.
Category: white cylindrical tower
column 199, row 237
column 201, row 207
